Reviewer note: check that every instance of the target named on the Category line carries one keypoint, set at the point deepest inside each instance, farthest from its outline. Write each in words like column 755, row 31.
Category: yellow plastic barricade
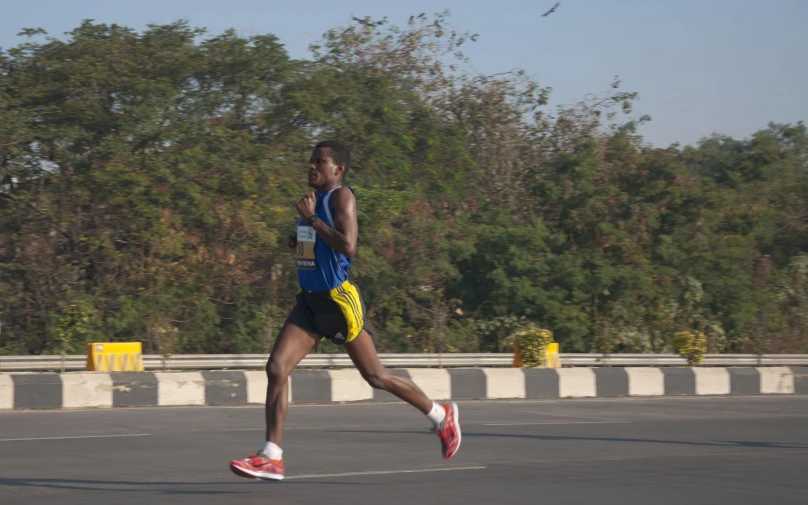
column 115, row 357
column 552, row 359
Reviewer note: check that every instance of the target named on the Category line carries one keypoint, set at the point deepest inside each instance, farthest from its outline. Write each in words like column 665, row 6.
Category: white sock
column 272, row 451
column 436, row 415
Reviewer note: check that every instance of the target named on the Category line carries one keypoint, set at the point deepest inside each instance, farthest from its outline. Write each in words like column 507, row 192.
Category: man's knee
column 277, row 371
column 378, row 380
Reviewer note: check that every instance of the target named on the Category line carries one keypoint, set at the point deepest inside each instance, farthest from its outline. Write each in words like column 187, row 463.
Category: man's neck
column 327, row 188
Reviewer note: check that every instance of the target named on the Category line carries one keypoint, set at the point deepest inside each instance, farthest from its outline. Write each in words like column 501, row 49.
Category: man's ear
column 341, row 169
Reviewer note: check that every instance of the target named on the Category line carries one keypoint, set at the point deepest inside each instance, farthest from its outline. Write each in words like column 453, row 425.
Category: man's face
column 323, row 171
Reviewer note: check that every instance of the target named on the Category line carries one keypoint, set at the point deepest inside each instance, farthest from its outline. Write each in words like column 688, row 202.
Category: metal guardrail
column 715, row 360
column 450, row 360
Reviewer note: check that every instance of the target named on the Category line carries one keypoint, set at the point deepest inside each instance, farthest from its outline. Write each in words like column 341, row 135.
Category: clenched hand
column 307, row 206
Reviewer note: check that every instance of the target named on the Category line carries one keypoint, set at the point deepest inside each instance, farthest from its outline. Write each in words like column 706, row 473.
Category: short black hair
column 340, row 153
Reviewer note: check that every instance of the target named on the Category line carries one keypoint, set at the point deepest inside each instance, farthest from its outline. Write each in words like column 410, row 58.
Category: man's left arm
column 342, row 238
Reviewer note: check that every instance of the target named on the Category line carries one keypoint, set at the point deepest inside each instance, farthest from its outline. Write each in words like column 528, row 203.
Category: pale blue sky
column 700, row 66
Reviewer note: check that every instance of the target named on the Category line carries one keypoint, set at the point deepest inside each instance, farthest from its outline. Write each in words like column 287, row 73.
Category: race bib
column 306, row 236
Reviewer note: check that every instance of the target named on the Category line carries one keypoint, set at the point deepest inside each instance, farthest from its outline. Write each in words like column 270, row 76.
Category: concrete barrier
column 645, row 381
column 435, row 382
column 504, row 383
column 349, row 386
column 6, row 392
column 712, row 381
column 98, row 390
column 576, row 382
column 776, row 380
column 611, row 381
column 132, row 389
column 185, row 388
column 37, row 391
column 86, row 390
column 257, row 387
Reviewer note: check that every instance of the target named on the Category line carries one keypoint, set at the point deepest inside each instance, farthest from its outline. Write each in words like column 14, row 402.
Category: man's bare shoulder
column 343, row 196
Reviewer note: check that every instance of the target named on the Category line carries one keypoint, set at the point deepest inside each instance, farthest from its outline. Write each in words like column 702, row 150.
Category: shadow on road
column 114, row 485
column 145, row 486
column 716, row 443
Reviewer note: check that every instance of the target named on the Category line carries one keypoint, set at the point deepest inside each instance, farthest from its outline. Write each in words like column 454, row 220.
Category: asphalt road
column 707, row 450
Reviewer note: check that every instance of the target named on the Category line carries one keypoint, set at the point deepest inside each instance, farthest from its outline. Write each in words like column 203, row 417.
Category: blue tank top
column 319, row 267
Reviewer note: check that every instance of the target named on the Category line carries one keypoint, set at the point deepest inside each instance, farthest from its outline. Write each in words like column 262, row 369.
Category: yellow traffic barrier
column 552, row 358
column 115, row 357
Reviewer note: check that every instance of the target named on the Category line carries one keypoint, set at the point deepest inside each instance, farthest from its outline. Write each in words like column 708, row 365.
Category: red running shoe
column 258, row 467
column 449, row 430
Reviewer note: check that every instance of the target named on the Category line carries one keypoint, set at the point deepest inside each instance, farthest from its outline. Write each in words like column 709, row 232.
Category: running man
column 330, row 306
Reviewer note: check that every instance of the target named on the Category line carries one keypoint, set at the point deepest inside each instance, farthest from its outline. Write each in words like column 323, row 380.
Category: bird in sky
column 551, row 10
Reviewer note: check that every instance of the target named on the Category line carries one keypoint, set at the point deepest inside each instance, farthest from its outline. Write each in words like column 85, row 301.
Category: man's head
column 330, row 161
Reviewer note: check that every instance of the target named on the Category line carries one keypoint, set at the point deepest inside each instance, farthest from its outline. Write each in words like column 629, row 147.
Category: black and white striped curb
column 82, row 390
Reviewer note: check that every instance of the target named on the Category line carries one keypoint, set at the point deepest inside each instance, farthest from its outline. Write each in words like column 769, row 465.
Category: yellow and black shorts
column 338, row 314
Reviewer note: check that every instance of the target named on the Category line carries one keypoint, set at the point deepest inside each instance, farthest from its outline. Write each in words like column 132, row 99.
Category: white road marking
column 557, row 422
column 383, row 472
column 77, row 437
column 565, row 415
column 227, row 430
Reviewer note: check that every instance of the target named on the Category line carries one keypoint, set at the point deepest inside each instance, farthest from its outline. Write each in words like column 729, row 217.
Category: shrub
column 532, row 345
column 690, row 345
